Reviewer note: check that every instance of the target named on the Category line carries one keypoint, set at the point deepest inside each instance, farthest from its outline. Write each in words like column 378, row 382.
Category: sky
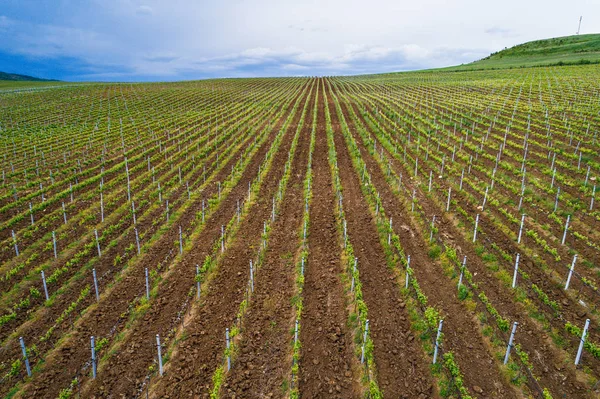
column 151, row 40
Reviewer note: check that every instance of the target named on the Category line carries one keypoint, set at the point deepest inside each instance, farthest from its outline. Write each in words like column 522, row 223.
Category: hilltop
column 21, row 78
column 566, row 50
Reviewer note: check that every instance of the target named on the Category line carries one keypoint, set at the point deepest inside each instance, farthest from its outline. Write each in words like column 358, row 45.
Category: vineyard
column 413, row 235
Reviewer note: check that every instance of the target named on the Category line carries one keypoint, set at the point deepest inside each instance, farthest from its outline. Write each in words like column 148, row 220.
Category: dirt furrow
column 199, row 354
column 554, row 369
column 461, row 332
column 402, row 370
column 262, row 367
column 101, row 319
column 326, row 358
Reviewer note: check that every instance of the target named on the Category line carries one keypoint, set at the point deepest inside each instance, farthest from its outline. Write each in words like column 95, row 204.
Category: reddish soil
column 100, row 320
column 191, row 370
column 326, row 362
column 555, row 374
column 401, row 365
column 263, row 365
column 105, row 269
column 461, row 332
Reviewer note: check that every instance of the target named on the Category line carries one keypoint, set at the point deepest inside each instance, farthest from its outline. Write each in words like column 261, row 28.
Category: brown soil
column 201, row 352
column 262, row 368
column 401, row 364
column 461, row 333
column 102, row 319
column 326, row 362
column 545, row 357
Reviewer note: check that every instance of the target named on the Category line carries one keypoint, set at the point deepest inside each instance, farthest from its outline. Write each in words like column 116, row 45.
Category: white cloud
column 144, row 10
column 187, row 38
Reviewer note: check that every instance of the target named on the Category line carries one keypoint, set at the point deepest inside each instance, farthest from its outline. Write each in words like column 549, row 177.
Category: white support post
column 101, row 208
column 96, row 285
column 432, row 227
column 510, row 342
column 462, row 271
column 556, row 200
column 566, row 229
column 362, row 356
column 416, row 166
column 137, row 241
column 587, row 176
column 54, row 244
column 15, row 242
column 198, row 282
column 97, row 243
column 222, row 238
column 24, row 351
column 45, row 286
column 448, row 201
column 407, row 273
column 180, row 241
column 251, row 276
column 592, row 200
column 484, row 199
column 228, row 344
column 273, row 211
column 430, row 177
column 515, row 274
column 570, row 272
column 582, row 342
column 147, row 283
column 437, row 341
column 128, row 184
column 521, row 229
column 158, row 349
column 353, row 272
column 93, row 346
column 475, row 229
column 133, row 212
column 296, row 332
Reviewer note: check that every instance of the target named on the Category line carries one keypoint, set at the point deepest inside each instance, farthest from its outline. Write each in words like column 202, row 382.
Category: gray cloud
column 152, row 39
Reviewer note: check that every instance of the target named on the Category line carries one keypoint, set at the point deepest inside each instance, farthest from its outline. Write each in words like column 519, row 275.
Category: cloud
column 144, row 10
column 184, row 39
column 161, row 58
column 502, row 32
column 106, row 57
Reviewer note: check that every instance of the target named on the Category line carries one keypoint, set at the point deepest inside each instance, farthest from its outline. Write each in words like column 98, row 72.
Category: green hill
column 567, row 50
column 20, row 78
